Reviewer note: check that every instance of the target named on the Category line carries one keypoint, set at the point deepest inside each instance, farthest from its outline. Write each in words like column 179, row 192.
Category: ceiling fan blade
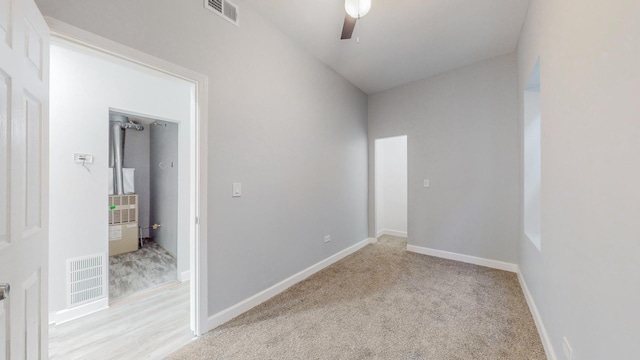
column 347, row 28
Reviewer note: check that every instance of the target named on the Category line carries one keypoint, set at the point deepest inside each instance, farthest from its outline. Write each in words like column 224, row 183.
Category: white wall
column 285, row 125
column 532, row 160
column 378, row 186
column 164, row 186
column 585, row 281
column 391, row 186
column 84, row 85
column 462, row 129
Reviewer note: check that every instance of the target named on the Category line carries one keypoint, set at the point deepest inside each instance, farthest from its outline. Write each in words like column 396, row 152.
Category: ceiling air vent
column 226, row 9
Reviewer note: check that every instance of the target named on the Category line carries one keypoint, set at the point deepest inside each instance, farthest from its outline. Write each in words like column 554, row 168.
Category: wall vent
column 86, row 279
column 226, row 9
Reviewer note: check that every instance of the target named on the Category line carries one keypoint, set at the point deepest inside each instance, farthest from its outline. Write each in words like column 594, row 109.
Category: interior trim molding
column 542, row 331
column 495, row 264
column 198, row 240
column 185, row 276
column 62, row 316
column 402, row 234
column 229, row 313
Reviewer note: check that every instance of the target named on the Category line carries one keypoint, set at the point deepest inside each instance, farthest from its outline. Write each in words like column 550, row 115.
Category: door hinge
column 197, row 220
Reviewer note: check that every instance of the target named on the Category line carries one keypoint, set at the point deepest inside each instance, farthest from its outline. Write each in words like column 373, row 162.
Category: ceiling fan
column 355, row 10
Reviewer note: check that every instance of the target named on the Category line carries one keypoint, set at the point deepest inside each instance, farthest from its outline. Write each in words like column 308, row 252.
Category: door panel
column 32, row 164
column 24, row 51
column 32, row 319
column 33, row 47
column 5, row 20
column 4, row 159
column 3, row 331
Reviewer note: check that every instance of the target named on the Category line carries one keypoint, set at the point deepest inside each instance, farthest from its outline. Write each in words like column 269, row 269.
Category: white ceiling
column 400, row 40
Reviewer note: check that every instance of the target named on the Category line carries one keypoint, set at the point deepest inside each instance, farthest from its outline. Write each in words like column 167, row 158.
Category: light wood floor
column 149, row 327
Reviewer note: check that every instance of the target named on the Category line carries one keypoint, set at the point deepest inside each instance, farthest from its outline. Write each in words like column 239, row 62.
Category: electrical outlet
column 426, row 183
column 327, row 238
column 566, row 349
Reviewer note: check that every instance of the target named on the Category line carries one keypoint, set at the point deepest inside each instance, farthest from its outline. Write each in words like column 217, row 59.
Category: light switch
column 426, row 183
column 237, row 189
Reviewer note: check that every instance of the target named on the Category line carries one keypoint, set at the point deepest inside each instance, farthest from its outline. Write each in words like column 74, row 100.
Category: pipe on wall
column 118, row 125
column 118, row 140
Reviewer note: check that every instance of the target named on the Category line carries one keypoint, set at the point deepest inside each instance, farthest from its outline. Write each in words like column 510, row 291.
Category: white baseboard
column 227, row 314
column 544, row 337
column 62, row 316
column 542, row 331
column 495, row 264
column 392, row 233
column 185, row 276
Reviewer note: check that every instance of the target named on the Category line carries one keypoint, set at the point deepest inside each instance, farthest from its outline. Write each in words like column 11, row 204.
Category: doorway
column 88, row 83
column 144, row 245
column 390, row 176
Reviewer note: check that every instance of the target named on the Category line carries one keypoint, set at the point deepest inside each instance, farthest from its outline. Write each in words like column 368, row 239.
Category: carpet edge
column 495, row 264
column 537, row 318
column 231, row 312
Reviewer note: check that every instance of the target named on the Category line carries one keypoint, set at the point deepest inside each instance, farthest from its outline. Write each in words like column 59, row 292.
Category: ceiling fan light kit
column 355, row 10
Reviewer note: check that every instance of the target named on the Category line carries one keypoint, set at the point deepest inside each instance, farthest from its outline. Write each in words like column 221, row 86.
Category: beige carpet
column 384, row 303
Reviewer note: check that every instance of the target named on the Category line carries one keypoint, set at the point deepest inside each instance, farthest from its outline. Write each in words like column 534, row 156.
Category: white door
column 24, row 63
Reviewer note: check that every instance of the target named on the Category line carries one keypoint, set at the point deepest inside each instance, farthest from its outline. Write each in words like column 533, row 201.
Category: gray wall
column 463, row 136
column 585, row 280
column 289, row 128
column 164, row 185
column 136, row 155
column 157, row 188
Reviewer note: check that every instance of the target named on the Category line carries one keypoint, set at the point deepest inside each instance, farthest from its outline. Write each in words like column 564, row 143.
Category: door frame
column 377, row 184
column 198, row 242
